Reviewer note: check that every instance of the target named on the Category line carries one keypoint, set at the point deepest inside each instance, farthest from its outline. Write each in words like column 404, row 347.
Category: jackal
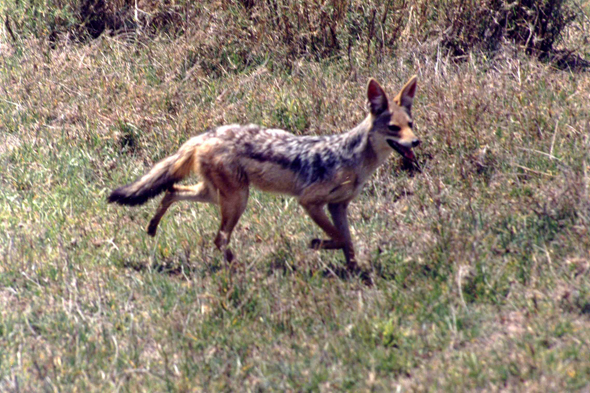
column 317, row 170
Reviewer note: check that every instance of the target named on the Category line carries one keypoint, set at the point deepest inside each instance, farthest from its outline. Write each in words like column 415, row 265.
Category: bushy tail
column 159, row 179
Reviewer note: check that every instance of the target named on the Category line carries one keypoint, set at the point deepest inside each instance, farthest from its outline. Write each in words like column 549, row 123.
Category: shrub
column 485, row 25
column 288, row 30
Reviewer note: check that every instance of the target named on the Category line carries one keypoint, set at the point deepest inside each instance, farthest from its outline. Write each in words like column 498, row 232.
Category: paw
column 366, row 278
column 326, row 244
column 229, row 256
column 353, row 270
column 152, row 228
column 316, row 244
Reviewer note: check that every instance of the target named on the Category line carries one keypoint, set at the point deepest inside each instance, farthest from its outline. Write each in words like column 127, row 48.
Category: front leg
column 339, row 215
column 317, row 214
column 339, row 232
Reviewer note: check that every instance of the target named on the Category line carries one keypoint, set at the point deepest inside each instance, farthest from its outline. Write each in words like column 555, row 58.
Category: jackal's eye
column 410, row 124
column 394, row 128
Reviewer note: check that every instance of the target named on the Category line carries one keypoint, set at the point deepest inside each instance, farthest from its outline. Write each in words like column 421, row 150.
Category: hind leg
column 232, row 205
column 198, row 193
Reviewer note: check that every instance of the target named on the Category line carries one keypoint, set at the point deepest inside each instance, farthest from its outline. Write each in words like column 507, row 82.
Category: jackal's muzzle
column 405, row 151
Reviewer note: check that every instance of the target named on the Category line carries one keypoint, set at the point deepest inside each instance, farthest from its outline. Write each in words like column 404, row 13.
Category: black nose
column 415, row 142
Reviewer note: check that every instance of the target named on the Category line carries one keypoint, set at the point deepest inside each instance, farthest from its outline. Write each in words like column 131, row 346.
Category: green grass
column 480, row 261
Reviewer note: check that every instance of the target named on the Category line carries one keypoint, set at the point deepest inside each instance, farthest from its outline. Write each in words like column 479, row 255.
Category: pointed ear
column 405, row 98
column 377, row 98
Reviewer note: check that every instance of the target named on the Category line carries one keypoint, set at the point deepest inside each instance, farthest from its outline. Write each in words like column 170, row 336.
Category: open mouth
column 406, row 152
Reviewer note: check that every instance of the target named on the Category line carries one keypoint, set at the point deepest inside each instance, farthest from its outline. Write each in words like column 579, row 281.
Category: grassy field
column 480, row 261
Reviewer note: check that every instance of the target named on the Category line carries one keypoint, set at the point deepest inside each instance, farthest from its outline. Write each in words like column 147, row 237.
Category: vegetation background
column 480, row 259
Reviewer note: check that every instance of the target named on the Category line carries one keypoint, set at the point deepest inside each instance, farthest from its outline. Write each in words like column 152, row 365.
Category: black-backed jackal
column 317, row 170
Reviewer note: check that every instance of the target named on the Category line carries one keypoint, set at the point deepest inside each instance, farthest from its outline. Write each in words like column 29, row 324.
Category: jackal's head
column 392, row 124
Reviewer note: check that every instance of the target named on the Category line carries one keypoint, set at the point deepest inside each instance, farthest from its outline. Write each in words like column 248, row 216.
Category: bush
column 289, row 30
column 88, row 19
column 485, row 25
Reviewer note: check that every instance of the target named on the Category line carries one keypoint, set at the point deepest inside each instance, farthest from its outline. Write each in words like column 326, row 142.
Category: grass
column 480, row 261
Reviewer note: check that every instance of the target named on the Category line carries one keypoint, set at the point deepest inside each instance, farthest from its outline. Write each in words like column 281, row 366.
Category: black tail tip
column 116, row 197
column 123, row 196
column 134, row 194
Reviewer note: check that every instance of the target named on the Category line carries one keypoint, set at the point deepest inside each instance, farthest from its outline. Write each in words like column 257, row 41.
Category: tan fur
column 318, row 171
